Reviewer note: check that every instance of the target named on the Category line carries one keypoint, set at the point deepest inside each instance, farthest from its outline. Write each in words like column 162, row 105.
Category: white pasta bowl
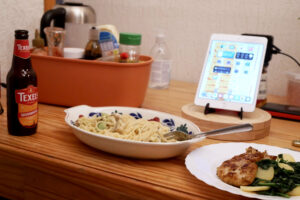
column 131, row 148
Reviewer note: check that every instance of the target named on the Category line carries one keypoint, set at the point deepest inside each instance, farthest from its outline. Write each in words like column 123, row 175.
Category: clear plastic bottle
column 161, row 66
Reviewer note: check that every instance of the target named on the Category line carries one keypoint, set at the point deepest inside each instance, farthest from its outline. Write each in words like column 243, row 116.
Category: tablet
column 231, row 73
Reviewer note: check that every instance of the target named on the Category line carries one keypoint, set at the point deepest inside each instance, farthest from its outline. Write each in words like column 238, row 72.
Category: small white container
column 293, row 88
column 73, row 52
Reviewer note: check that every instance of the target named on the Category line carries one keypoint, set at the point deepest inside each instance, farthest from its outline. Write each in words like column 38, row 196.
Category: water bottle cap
column 160, row 37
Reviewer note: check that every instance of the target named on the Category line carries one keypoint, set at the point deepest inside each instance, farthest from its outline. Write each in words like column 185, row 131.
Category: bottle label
column 262, row 91
column 108, row 43
column 27, row 100
column 160, row 73
column 22, row 49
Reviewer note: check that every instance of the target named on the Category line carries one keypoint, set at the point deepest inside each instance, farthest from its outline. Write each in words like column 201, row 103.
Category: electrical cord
column 290, row 58
column 276, row 50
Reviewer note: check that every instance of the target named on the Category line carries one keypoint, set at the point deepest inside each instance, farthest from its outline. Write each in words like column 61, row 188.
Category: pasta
column 124, row 127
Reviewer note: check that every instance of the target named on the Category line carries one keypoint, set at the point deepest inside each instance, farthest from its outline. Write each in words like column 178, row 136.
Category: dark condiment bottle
column 92, row 49
column 22, row 91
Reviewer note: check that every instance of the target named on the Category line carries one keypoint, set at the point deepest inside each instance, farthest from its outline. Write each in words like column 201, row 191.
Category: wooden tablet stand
column 208, row 110
column 208, row 119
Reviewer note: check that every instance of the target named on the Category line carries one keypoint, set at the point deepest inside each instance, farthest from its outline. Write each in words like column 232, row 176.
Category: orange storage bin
column 71, row 82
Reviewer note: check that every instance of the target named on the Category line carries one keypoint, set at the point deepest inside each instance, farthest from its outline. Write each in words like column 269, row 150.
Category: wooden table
column 53, row 164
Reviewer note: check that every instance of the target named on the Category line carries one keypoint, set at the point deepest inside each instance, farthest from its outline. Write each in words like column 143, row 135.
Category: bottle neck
column 21, row 48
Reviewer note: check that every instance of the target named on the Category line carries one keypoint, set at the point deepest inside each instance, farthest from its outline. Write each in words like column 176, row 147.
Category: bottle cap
column 94, row 33
column 21, row 34
column 160, row 37
column 130, row 38
column 38, row 41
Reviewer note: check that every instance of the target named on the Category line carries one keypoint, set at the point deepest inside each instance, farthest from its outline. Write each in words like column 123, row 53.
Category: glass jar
column 130, row 47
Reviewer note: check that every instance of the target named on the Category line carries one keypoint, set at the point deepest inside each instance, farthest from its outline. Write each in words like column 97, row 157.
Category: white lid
column 160, row 37
column 94, row 33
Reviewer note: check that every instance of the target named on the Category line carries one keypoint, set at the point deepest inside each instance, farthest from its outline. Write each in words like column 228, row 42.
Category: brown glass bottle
column 22, row 93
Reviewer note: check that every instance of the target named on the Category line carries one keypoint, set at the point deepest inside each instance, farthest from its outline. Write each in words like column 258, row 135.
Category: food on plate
column 241, row 169
column 255, row 171
column 125, row 126
column 285, row 166
column 265, row 174
column 254, row 188
column 295, row 191
column 286, row 157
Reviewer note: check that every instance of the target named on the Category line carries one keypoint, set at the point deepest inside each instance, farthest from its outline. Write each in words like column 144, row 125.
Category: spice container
column 55, row 40
column 130, row 47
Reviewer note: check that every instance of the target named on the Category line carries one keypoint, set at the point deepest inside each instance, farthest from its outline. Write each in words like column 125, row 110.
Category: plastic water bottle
column 161, row 66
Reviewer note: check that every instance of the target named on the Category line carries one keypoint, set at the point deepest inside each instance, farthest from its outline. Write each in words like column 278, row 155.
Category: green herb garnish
column 283, row 181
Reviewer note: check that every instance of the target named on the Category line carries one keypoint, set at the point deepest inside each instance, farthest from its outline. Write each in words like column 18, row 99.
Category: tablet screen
column 231, row 71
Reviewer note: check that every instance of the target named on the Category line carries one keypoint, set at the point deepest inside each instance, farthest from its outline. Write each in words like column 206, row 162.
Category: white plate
column 203, row 163
column 130, row 148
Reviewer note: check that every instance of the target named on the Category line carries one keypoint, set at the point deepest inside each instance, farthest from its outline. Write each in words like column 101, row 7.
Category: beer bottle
column 22, row 92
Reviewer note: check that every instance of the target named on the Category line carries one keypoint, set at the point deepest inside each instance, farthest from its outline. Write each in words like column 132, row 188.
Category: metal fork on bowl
column 181, row 136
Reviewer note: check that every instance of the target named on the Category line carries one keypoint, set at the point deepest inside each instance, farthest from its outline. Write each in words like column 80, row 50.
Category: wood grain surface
column 53, row 164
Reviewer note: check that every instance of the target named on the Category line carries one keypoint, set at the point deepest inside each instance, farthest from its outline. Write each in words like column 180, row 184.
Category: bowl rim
column 194, row 140
column 147, row 60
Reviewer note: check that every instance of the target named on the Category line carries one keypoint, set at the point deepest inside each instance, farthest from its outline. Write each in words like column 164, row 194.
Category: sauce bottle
column 22, row 91
column 92, row 48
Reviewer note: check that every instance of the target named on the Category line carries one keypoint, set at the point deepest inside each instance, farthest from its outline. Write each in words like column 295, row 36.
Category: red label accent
column 22, row 49
column 27, row 96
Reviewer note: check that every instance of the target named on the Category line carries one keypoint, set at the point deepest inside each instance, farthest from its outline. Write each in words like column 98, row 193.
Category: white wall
column 189, row 24
column 16, row 14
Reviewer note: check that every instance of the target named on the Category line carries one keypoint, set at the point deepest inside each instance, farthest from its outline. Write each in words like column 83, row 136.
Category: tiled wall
column 16, row 14
column 188, row 25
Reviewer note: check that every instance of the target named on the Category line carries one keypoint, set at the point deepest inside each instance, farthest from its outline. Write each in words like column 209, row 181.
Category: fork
column 181, row 136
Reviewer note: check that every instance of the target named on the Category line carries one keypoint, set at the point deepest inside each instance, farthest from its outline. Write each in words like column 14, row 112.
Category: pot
column 75, row 18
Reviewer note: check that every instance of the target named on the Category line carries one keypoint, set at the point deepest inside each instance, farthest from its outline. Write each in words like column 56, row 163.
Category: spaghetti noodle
column 124, row 127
